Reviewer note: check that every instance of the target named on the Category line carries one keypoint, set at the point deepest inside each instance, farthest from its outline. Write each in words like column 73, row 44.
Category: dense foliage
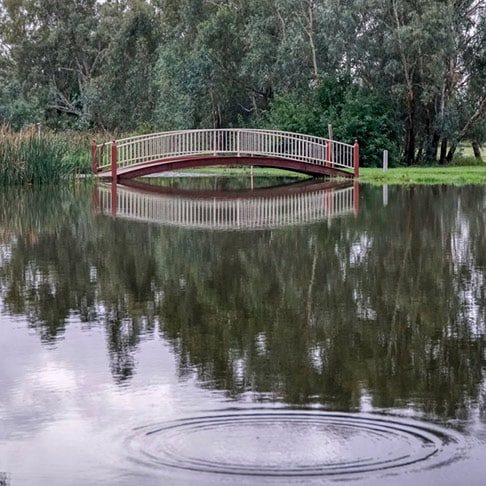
column 398, row 74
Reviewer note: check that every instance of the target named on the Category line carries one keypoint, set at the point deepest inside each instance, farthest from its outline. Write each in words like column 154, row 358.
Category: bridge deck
column 196, row 161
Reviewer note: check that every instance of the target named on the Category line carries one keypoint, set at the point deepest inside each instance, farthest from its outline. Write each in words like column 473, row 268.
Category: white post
column 385, row 195
column 237, row 142
column 385, row 160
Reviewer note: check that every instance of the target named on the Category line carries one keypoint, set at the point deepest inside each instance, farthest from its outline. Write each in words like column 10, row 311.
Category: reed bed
column 33, row 157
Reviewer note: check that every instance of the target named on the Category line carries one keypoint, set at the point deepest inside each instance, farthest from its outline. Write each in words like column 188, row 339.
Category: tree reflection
column 392, row 302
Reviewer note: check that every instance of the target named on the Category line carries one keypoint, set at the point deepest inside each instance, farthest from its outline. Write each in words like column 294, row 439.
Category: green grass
column 245, row 171
column 467, row 160
column 457, row 175
column 404, row 175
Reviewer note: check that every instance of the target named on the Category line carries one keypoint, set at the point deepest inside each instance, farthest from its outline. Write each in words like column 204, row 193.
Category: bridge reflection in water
column 263, row 208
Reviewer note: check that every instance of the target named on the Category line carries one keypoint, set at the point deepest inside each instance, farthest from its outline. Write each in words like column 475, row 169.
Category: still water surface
column 275, row 336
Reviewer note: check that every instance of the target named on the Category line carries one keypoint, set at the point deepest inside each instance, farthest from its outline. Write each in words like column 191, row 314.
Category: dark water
column 290, row 336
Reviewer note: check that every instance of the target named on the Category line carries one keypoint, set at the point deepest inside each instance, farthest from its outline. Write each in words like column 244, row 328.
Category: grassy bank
column 403, row 175
column 425, row 175
column 244, row 171
column 29, row 157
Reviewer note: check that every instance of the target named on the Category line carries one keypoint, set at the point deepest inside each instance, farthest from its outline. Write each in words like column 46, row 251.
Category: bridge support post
column 356, row 158
column 114, row 161
column 94, row 162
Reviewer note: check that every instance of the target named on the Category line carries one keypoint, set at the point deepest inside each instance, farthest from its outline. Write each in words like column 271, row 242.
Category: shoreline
column 453, row 175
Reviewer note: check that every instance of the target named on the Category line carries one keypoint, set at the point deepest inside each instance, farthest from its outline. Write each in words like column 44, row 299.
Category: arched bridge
column 167, row 151
column 246, row 210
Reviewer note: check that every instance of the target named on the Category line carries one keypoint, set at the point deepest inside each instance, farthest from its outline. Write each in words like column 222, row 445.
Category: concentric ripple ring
column 286, row 443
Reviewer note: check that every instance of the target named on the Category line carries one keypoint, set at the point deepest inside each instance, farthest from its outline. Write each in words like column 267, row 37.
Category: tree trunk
column 479, row 112
column 452, row 151
column 443, row 151
column 431, row 148
column 410, row 133
column 420, row 151
column 310, row 30
column 477, row 150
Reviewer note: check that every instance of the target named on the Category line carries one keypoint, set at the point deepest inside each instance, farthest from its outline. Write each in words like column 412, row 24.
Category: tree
column 126, row 90
column 55, row 52
column 421, row 53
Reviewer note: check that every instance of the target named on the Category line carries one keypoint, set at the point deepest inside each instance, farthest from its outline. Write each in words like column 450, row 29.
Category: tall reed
column 31, row 157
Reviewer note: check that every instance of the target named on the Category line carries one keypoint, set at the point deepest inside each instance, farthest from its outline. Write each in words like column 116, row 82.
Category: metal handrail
column 143, row 149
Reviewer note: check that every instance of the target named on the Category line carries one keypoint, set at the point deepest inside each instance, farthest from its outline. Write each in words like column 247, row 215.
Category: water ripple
column 292, row 444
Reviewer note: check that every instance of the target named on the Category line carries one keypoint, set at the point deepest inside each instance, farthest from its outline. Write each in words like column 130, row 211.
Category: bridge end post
column 329, row 155
column 356, row 158
column 94, row 161
column 114, row 161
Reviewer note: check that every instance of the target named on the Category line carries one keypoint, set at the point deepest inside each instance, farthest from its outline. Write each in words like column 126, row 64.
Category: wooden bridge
column 167, row 151
column 237, row 210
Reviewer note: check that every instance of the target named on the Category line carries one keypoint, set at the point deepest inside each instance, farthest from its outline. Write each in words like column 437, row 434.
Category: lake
column 201, row 331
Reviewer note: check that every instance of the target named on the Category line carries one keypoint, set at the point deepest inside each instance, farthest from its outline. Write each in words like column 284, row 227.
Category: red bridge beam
column 187, row 162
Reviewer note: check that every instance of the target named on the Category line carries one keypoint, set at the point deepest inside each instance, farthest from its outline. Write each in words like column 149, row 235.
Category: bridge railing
column 230, row 141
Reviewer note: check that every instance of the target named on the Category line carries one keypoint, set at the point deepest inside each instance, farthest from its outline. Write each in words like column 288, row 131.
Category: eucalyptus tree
column 125, row 88
column 55, row 50
column 217, row 62
column 470, row 99
column 420, row 53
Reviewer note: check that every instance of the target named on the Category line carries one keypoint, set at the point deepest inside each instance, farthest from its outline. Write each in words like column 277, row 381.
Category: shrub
column 466, row 161
column 352, row 112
